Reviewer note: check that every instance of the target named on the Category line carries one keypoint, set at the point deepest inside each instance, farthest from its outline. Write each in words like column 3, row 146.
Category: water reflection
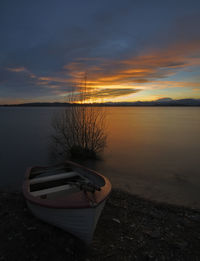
column 153, row 152
column 151, row 149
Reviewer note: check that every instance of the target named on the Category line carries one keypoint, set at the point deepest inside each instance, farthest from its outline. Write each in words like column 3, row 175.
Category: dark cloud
column 108, row 93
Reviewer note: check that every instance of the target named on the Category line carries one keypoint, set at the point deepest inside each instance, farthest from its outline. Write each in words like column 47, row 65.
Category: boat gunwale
column 78, row 200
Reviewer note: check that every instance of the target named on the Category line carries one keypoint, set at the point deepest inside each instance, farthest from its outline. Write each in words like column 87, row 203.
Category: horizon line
column 160, row 101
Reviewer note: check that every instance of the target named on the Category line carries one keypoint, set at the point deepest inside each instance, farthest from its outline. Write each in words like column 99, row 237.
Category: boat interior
column 59, row 182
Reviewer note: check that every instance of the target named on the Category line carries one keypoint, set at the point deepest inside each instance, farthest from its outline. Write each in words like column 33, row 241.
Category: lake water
column 152, row 152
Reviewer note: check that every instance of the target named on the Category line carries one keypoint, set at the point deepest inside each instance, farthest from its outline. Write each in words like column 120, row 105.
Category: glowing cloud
column 146, row 71
column 17, row 69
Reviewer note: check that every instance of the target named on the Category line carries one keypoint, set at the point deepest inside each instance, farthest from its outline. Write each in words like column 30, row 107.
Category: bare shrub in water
column 80, row 131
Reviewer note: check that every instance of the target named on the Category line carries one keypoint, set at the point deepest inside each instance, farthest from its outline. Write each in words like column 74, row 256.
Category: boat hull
column 79, row 222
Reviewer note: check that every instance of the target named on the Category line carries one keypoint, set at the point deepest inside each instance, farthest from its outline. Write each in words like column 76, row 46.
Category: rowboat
column 68, row 196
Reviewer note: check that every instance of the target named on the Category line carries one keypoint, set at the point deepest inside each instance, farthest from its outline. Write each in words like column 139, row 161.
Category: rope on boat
column 86, row 186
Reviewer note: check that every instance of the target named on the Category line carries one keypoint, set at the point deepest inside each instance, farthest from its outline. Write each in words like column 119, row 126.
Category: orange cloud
column 149, row 67
column 54, row 79
column 17, row 69
column 22, row 69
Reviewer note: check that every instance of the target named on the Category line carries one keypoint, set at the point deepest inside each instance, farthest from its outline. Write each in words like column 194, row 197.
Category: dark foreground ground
column 130, row 228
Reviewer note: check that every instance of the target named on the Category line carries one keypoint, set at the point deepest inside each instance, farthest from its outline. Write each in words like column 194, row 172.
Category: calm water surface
column 153, row 152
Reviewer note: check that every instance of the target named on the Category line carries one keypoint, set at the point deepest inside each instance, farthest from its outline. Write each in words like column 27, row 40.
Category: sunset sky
column 130, row 50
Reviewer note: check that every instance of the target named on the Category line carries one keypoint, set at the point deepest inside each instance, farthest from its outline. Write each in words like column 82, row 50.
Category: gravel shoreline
column 130, row 228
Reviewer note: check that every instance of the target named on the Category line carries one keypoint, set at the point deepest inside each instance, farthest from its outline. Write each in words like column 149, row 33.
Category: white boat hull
column 79, row 222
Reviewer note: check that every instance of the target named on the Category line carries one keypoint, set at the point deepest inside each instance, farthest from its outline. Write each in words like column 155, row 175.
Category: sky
column 126, row 50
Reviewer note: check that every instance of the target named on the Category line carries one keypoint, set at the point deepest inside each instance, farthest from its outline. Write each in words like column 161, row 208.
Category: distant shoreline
column 61, row 106
column 156, row 103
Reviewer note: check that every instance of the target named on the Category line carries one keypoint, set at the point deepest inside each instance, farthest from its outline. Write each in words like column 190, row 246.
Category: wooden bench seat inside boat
column 55, row 191
column 54, row 177
column 54, row 184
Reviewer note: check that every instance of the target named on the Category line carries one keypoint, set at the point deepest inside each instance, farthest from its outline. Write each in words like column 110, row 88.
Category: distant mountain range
column 159, row 102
